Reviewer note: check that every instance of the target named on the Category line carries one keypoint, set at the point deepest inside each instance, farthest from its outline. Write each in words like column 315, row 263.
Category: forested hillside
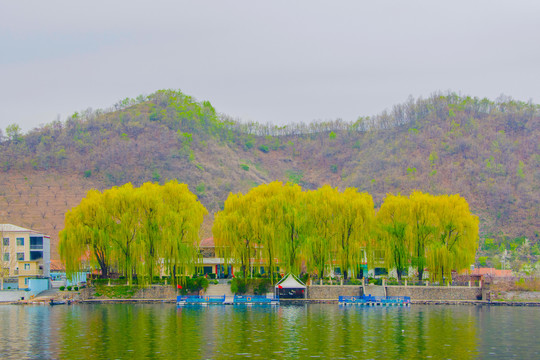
column 487, row 151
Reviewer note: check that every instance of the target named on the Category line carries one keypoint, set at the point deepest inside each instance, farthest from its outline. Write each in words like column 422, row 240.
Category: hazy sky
column 268, row 61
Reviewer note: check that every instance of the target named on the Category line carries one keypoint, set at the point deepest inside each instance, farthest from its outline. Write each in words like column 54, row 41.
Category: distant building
column 491, row 272
column 59, row 277
column 25, row 253
column 210, row 264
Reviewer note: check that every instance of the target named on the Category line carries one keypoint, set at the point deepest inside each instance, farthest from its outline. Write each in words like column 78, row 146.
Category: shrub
column 201, row 189
column 238, row 286
column 194, row 284
column 264, row 148
column 76, row 288
column 116, row 292
column 69, row 288
column 263, row 286
column 62, row 288
column 244, row 167
column 375, row 281
column 249, row 144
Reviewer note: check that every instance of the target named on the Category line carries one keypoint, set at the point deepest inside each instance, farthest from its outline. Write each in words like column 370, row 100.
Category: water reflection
column 124, row 331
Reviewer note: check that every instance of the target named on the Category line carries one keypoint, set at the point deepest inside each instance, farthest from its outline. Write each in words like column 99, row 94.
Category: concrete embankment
column 436, row 293
column 332, row 292
column 321, row 294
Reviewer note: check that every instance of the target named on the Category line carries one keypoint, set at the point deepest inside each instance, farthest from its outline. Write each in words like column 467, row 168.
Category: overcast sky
column 267, row 61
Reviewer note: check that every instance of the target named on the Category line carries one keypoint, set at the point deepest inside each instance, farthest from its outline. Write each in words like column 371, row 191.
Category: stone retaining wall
column 332, row 292
column 14, row 295
column 516, row 295
column 436, row 292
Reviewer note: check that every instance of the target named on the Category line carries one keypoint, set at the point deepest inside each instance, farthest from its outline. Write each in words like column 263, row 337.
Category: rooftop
column 14, row 228
column 492, row 272
column 209, row 242
column 57, row 265
column 7, row 228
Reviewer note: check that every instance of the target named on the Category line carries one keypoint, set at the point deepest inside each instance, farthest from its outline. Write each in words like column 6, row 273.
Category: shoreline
column 294, row 302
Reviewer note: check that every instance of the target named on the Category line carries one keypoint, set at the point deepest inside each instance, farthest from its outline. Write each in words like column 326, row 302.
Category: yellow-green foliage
column 456, row 240
column 279, row 224
column 394, row 223
column 140, row 231
column 280, row 221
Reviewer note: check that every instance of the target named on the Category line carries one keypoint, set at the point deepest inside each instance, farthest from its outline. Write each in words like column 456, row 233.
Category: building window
column 36, row 243
column 26, row 266
column 26, row 281
column 6, row 256
column 20, row 256
column 20, row 241
column 36, row 255
column 6, row 241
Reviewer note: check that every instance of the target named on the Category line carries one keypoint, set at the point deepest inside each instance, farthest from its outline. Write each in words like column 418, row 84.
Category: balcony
column 30, row 272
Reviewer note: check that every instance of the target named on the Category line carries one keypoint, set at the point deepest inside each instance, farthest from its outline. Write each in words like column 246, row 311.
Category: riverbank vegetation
column 318, row 230
column 153, row 231
column 144, row 231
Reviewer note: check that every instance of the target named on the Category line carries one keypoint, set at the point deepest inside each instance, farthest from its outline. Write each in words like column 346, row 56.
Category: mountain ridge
column 485, row 150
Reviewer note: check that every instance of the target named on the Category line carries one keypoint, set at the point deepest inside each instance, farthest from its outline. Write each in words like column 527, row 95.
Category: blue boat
column 254, row 300
column 182, row 300
column 202, row 300
column 368, row 300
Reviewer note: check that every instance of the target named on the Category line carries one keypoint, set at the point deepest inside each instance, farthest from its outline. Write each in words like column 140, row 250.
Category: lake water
column 156, row 331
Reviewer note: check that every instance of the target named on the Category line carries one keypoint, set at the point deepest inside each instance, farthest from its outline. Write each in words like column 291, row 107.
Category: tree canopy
column 318, row 230
column 141, row 231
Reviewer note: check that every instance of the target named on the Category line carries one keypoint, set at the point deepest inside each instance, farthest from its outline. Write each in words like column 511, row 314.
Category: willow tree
column 288, row 210
column 140, row 230
column 264, row 224
column 423, row 222
column 126, row 224
column 180, row 224
column 320, row 212
column 353, row 224
column 234, row 231
column 393, row 220
column 148, row 201
column 265, row 204
column 86, row 232
column 456, row 237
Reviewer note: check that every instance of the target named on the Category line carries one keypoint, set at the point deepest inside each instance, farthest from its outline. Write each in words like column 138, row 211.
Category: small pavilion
column 290, row 287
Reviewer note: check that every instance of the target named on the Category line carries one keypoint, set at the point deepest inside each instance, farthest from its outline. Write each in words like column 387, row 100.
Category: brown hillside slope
column 486, row 151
